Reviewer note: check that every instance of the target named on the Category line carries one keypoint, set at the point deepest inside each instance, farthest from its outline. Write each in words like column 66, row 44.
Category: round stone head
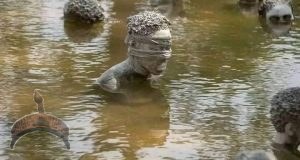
column 149, row 41
column 285, row 113
column 277, row 11
column 88, row 11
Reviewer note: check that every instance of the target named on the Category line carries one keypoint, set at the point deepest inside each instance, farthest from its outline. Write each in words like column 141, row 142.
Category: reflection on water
column 248, row 9
column 137, row 118
column 80, row 32
column 212, row 102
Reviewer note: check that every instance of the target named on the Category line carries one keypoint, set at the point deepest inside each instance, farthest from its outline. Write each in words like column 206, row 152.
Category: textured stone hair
column 86, row 10
column 285, row 108
column 146, row 23
column 267, row 5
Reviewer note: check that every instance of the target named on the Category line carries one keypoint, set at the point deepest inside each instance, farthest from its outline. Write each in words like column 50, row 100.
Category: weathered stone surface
column 146, row 23
column 85, row 10
column 285, row 108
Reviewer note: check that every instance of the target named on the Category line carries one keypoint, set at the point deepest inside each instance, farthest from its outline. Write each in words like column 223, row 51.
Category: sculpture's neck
column 40, row 107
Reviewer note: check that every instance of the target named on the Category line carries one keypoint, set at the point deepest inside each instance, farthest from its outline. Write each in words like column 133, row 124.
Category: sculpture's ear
column 129, row 41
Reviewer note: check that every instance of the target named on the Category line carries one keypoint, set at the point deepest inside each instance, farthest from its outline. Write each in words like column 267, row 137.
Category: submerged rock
column 85, row 10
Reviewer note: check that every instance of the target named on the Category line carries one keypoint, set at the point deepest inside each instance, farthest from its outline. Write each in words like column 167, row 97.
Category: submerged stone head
column 149, row 41
column 149, row 48
column 276, row 11
column 285, row 115
column 84, row 10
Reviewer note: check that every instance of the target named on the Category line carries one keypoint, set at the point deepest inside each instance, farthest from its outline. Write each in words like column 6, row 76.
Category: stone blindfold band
column 145, row 39
column 149, row 53
column 146, row 53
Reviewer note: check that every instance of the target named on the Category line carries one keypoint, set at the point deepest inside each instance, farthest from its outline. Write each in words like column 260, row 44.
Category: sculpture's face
column 155, row 61
column 280, row 14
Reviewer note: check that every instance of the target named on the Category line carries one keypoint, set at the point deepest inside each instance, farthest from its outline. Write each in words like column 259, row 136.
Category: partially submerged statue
column 276, row 11
column 285, row 117
column 276, row 16
column 84, row 10
column 39, row 122
column 149, row 48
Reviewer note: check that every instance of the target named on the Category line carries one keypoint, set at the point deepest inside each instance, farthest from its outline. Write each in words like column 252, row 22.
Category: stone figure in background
column 285, row 117
column 149, row 48
column 276, row 11
column 276, row 16
column 88, row 11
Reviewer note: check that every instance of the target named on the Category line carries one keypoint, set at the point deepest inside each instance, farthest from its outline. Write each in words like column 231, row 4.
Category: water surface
column 212, row 102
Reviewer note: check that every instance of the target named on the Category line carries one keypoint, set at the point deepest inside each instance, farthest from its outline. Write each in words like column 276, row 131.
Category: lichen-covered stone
column 285, row 108
column 146, row 23
column 85, row 10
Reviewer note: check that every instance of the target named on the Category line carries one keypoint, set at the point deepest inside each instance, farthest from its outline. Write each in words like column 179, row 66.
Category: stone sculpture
column 285, row 117
column 88, row 11
column 149, row 48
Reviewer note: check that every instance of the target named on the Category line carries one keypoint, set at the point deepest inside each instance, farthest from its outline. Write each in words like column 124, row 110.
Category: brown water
column 212, row 102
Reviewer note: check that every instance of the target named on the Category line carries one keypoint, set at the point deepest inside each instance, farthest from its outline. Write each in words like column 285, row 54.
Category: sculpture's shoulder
column 111, row 79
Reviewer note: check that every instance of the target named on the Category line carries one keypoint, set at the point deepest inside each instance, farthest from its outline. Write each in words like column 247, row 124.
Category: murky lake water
column 212, row 102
